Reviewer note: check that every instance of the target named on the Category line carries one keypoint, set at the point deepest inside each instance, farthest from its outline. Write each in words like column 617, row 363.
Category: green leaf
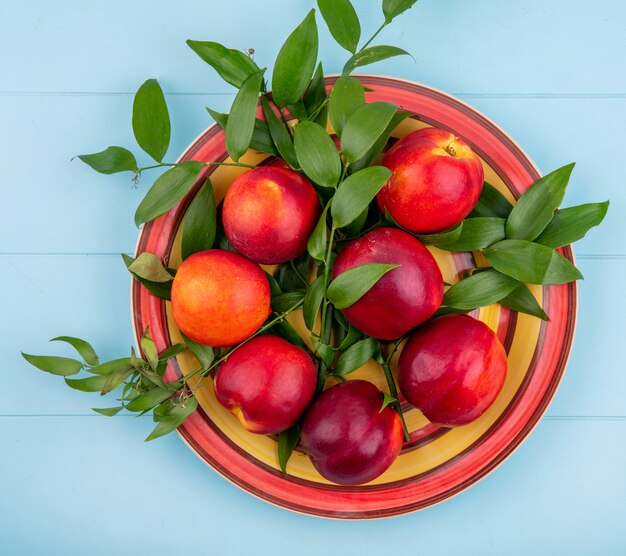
column 357, row 224
column 324, row 352
column 531, row 262
column 111, row 161
column 450, row 311
column 315, row 97
column 204, row 354
column 491, row 203
column 285, row 301
column 240, row 125
column 313, row 301
column 477, row 233
column 89, row 384
column 298, row 110
column 199, row 222
column 161, row 290
column 149, row 349
column 571, row 224
column 536, row 206
column 522, row 300
column 289, row 333
column 280, row 135
column 221, row 241
column 111, row 366
column 171, row 351
column 84, row 349
column 149, row 400
column 175, row 417
column 233, row 66
column 364, row 127
column 108, row 411
column 342, row 21
column 356, row 193
column 351, row 285
column 295, row 63
column 61, row 366
column 149, row 266
column 261, row 139
column 151, row 120
column 393, row 8
column 353, row 335
column 440, row 239
column 274, row 287
column 346, row 96
column 479, row 290
column 356, row 356
column 387, row 400
column 381, row 142
column 134, row 360
column 371, row 55
column 317, row 241
column 287, row 442
column 317, row 154
column 168, row 189
column 115, row 380
column 293, row 275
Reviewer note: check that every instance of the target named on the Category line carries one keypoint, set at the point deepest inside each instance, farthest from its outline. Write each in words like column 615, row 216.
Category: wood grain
column 549, row 73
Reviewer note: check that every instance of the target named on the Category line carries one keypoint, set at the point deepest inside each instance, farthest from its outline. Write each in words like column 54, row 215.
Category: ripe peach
column 348, row 438
column 267, row 383
column 452, row 369
column 219, row 298
column 404, row 297
column 269, row 214
column 436, row 181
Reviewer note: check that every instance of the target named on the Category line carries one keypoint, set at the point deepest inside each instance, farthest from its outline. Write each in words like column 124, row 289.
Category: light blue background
column 551, row 73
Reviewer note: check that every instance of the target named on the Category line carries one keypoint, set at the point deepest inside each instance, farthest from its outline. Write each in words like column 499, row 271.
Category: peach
column 269, row 214
column 220, row 298
column 404, row 297
column 267, row 383
column 452, row 369
column 436, row 181
column 348, row 438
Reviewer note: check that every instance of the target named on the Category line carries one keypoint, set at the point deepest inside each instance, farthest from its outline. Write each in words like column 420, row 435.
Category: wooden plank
column 69, row 208
column 527, row 47
column 90, row 486
column 87, row 296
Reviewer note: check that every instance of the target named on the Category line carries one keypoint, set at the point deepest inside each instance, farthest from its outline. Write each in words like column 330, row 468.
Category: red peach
column 348, row 438
column 269, row 214
column 404, row 297
column 267, row 383
column 219, row 298
column 436, row 181
column 452, row 369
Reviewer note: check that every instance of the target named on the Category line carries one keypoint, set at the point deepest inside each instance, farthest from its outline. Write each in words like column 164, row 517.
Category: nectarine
column 220, row 298
column 436, row 181
column 267, row 383
column 404, row 297
column 269, row 214
column 452, row 369
column 348, row 438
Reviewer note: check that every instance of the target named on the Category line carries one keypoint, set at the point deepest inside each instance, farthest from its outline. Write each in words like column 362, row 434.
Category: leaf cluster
column 521, row 244
column 334, row 137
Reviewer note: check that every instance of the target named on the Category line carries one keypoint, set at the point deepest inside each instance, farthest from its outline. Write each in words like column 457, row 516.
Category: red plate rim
column 545, row 372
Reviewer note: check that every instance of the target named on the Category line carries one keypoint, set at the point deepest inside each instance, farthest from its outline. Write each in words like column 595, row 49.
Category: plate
column 436, row 463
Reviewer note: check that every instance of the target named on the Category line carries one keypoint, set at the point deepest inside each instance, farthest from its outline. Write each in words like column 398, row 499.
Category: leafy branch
column 519, row 242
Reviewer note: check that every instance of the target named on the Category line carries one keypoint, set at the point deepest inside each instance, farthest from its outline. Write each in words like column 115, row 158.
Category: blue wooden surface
column 551, row 73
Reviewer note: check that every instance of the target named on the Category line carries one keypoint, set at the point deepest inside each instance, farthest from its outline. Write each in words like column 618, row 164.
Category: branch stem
column 394, row 392
column 385, row 23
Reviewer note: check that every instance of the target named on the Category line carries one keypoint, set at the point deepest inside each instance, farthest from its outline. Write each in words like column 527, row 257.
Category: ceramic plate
column 436, row 463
